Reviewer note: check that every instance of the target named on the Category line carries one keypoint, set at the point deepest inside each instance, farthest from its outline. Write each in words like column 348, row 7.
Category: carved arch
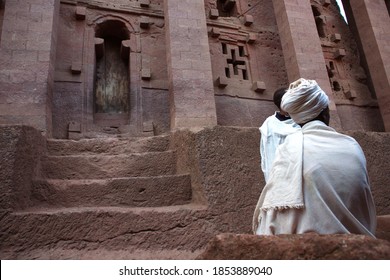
column 114, row 38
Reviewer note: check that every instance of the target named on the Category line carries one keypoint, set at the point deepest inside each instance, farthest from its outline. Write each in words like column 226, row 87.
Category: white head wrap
column 304, row 100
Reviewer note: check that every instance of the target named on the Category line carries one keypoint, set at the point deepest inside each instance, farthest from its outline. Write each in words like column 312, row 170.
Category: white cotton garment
column 273, row 133
column 334, row 195
column 304, row 100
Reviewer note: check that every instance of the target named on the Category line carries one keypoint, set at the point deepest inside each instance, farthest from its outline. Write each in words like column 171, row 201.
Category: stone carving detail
column 346, row 77
column 236, row 62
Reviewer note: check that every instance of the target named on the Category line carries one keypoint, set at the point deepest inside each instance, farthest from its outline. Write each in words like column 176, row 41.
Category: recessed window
column 227, row 8
column 319, row 22
column 336, row 86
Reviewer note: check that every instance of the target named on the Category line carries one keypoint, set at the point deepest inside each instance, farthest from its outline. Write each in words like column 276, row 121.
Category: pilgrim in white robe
column 273, row 133
column 318, row 183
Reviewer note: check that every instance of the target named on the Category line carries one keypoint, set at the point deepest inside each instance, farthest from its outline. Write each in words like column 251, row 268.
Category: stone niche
column 227, row 8
column 2, row 4
column 111, row 77
column 108, row 69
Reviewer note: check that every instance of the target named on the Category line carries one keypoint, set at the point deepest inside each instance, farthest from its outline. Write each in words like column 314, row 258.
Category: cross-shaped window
column 236, row 62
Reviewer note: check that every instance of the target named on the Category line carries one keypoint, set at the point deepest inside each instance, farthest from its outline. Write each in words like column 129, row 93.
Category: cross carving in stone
column 235, row 61
column 236, row 64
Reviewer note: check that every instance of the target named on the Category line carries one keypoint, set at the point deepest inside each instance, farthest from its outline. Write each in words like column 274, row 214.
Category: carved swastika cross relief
column 236, row 62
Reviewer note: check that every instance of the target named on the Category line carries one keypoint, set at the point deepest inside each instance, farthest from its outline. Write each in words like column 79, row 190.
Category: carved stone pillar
column 302, row 47
column 372, row 24
column 189, row 65
column 27, row 52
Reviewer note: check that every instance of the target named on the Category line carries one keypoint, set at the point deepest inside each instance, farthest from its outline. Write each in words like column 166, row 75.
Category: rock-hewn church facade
column 167, row 96
column 77, row 68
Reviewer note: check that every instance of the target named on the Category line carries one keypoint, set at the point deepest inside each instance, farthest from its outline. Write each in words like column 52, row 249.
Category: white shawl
column 273, row 133
column 318, row 183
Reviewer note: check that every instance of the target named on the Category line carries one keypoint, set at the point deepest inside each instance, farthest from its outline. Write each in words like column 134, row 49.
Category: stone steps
column 109, row 166
column 100, row 254
column 181, row 227
column 130, row 191
column 107, row 194
column 112, row 145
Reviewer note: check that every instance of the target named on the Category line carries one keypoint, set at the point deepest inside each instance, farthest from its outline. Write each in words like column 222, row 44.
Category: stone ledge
column 383, row 227
column 296, row 247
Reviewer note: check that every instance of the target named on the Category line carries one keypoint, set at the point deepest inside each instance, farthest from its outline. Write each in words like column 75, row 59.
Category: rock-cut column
column 189, row 65
column 302, row 46
column 372, row 22
column 27, row 56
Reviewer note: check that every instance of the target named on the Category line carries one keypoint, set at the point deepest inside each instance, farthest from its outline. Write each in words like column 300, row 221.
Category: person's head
column 278, row 95
column 324, row 116
column 305, row 101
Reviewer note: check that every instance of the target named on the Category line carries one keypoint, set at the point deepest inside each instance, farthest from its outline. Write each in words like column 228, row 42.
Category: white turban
column 304, row 100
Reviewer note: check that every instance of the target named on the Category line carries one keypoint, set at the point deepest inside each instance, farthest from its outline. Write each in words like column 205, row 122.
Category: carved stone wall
column 142, row 50
column 356, row 104
column 27, row 56
column 249, row 47
column 248, row 64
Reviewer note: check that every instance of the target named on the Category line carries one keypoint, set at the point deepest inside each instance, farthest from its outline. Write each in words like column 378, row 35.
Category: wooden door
column 112, row 80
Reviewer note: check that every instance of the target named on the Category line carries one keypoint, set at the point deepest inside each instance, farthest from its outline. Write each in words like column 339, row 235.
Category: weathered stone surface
column 110, row 146
column 221, row 163
column 153, row 191
column 112, row 228
column 369, row 19
column 383, row 227
column 239, row 112
column 376, row 147
column 99, row 254
column 30, row 31
column 21, row 148
column 155, row 107
column 296, row 247
column 109, row 166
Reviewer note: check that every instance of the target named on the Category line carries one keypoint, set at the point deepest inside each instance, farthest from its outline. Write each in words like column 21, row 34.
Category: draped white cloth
column 273, row 132
column 318, row 183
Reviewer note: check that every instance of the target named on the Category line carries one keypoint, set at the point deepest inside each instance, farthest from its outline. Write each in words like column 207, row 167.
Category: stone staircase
column 109, row 195
column 126, row 198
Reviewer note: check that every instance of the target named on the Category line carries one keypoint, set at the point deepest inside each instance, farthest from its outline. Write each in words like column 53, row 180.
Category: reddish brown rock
column 383, row 227
column 296, row 247
column 62, row 197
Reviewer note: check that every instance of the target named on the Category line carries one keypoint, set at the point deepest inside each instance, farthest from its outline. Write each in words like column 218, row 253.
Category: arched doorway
column 111, row 79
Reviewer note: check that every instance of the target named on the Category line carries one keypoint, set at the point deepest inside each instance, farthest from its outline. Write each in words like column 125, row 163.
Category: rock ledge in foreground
column 295, row 247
